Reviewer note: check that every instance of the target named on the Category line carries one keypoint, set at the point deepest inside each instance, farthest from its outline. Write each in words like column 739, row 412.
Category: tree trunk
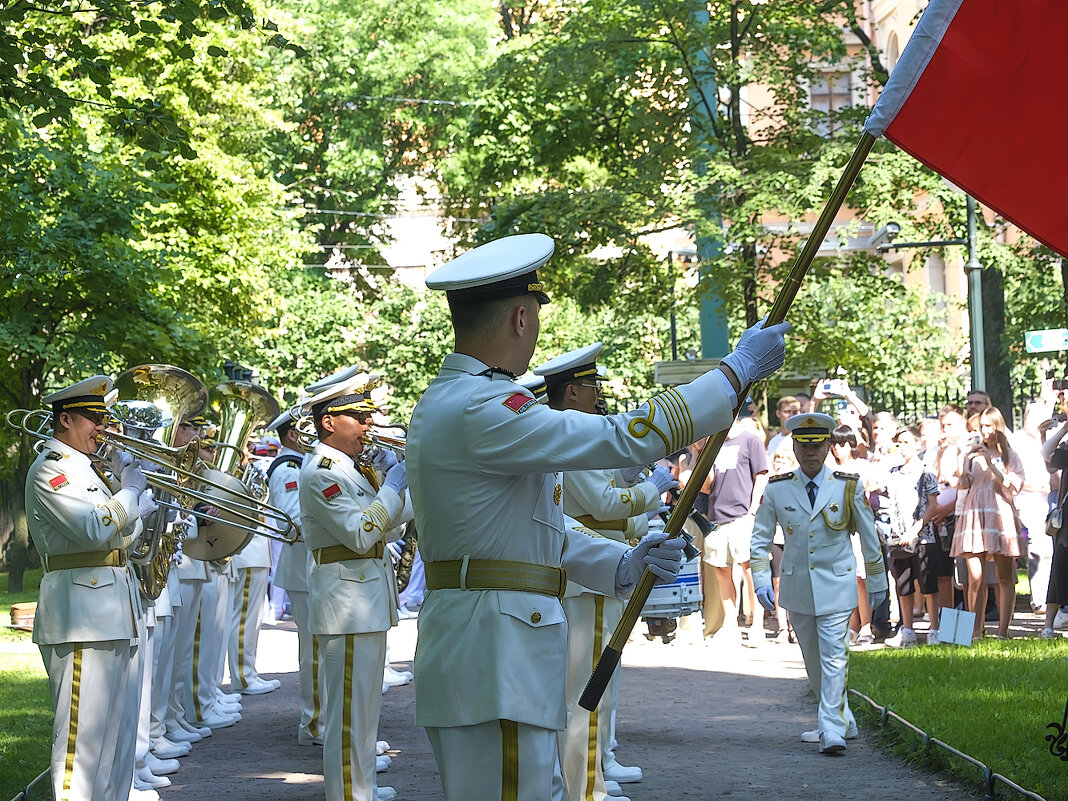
column 997, row 362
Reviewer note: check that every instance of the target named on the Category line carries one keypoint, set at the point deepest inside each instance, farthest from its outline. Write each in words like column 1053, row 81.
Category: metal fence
column 990, row 780
column 912, row 405
column 40, row 789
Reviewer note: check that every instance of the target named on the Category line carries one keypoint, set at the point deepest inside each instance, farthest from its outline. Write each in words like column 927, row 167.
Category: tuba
column 232, row 485
column 153, row 400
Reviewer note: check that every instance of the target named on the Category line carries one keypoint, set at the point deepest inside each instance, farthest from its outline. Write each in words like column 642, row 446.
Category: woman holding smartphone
column 992, row 474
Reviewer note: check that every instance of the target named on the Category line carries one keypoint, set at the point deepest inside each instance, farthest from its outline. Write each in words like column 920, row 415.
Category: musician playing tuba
column 85, row 624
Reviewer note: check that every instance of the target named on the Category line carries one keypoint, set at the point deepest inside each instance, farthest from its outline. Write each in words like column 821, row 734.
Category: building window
column 829, row 93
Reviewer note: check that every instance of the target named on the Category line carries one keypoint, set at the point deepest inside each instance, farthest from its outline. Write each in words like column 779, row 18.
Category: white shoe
column 144, row 779
column 932, row 637
column 213, row 721
column 226, row 709
column 1048, row 634
column 180, row 735
column 612, row 788
column 404, row 613
column 385, row 688
column 261, row 686
column 382, row 763
column 1061, row 620
column 814, row 735
column 137, row 794
column 620, row 773
column 726, row 637
column 385, row 793
column 166, row 748
column 756, row 636
column 229, row 696
column 203, row 731
column 381, row 746
column 161, row 767
column 395, row 678
column 903, row 639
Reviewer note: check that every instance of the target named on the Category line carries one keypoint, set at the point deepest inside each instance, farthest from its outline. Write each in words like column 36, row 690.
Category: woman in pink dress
column 992, row 473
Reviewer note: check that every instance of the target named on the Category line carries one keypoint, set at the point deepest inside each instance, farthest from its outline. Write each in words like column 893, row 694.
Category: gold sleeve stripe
column 876, row 567
column 678, row 414
column 117, row 514
column 637, row 501
column 639, row 427
column 377, row 517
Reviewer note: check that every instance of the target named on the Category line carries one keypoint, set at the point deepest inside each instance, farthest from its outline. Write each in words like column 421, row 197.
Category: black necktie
column 811, row 487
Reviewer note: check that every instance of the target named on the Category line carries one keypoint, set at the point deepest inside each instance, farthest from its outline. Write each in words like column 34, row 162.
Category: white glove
column 146, row 505
column 661, row 555
column 383, row 460
column 759, row 352
column 631, row 474
column 663, row 479
column 397, row 479
column 119, row 460
column 657, row 512
column 132, row 478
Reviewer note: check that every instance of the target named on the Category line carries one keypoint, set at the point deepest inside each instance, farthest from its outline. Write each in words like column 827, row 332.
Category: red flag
column 978, row 97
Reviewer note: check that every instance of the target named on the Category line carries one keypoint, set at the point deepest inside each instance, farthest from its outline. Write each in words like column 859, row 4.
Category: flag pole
column 610, row 657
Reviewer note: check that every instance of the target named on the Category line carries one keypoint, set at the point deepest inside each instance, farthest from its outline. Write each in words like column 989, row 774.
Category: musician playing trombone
column 348, row 510
column 484, row 458
column 86, row 620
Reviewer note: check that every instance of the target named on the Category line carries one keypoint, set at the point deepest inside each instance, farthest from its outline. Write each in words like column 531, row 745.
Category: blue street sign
column 1050, row 339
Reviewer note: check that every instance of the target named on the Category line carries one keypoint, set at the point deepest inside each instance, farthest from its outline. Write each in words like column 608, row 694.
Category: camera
column 976, row 439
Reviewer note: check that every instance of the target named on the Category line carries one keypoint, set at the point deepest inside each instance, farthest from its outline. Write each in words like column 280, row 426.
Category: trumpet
column 376, row 439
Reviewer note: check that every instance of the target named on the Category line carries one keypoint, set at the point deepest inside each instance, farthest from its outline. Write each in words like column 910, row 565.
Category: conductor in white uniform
column 484, row 459
column 818, row 510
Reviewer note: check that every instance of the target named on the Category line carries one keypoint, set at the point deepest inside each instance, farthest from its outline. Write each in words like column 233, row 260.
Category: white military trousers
column 92, row 748
column 353, row 676
column 824, row 641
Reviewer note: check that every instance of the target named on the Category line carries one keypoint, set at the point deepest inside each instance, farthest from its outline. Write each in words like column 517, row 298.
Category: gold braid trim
column 377, row 516
column 677, row 418
column 117, row 514
column 850, row 508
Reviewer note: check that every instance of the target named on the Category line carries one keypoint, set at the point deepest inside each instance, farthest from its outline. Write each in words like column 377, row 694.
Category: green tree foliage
column 607, row 122
column 49, row 46
column 378, row 99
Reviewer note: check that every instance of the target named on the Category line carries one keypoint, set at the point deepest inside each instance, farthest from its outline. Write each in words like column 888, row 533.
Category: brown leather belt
column 339, row 553
column 70, row 561
column 493, row 574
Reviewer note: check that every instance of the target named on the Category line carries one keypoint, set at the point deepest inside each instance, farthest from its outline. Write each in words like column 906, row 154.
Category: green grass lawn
column 25, row 702
column 992, row 701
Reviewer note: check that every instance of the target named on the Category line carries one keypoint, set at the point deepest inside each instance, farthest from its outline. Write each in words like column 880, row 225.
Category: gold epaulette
column 846, row 476
column 326, row 463
column 54, row 456
column 781, row 477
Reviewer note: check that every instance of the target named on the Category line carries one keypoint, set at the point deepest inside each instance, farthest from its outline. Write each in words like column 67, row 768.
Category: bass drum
column 229, row 533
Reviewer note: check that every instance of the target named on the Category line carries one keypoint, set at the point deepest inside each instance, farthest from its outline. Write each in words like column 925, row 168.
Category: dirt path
column 703, row 725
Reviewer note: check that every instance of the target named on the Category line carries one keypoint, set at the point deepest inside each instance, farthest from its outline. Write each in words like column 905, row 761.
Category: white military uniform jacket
column 599, row 495
column 339, row 506
column 294, row 562
column 818, row 566
column 70, row 510
column 481, row 455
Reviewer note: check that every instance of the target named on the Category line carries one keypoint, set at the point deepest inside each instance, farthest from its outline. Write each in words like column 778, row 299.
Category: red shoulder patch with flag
column 519, row 402
column 58, row 482
column 292, row 485
column 332, row 491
